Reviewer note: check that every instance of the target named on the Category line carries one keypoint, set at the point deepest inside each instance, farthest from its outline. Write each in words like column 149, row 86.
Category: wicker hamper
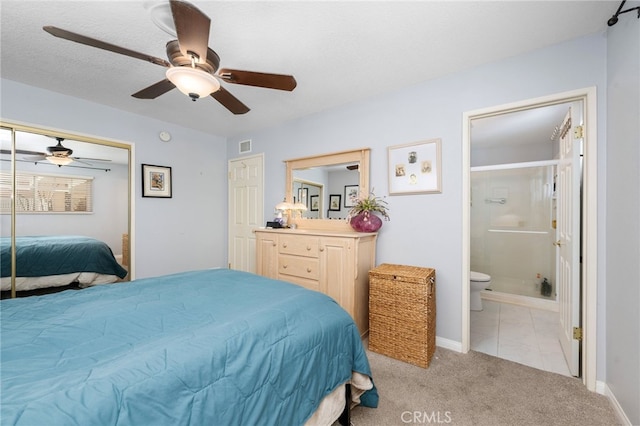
column 402, row 313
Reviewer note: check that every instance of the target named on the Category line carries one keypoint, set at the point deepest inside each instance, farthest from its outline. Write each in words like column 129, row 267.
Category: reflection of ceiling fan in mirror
column 58, row 155
column 192, row 65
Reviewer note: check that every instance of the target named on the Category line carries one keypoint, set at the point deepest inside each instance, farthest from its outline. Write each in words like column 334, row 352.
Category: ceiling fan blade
column 229, row 101
column 192, row 28
column 78, row 38
column 155, row 90
column 258, row 79
column 35, row 158
column 23, row 152
column 89, row 159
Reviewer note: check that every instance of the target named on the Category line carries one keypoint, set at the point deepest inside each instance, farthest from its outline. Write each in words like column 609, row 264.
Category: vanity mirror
column 316, row 181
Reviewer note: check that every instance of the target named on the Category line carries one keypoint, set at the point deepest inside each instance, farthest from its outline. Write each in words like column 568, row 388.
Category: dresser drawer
column 299, row 245
column 302, row 282
column 297, row 266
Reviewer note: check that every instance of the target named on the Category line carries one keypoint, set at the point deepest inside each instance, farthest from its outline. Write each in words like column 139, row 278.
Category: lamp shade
column 299, row 206
column 59, row 160
column 284, row 206
column 193, row 82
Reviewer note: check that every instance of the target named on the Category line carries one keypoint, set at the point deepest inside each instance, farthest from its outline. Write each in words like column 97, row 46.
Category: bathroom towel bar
column 495, row 200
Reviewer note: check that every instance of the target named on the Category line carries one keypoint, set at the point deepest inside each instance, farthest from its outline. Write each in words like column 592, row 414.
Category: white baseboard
column 515, row 299
column 603, row 389
column 449, row 344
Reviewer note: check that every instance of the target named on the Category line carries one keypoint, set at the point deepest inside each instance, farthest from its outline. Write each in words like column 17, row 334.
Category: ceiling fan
column 192, row 66
column 57, row 154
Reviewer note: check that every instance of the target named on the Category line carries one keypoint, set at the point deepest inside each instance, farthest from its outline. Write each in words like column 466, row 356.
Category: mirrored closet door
column 58, row 188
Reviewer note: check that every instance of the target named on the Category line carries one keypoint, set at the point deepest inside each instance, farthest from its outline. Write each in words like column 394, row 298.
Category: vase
column 365, row 222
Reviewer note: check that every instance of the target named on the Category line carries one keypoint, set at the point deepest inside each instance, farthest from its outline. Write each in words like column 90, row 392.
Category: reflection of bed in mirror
column 209, row 347
column 54, row 261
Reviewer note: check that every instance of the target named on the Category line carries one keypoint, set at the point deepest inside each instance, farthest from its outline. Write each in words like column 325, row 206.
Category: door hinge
column 577, row 132
column 577, row 333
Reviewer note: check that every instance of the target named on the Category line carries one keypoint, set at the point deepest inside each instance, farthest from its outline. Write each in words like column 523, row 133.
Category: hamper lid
column 404, row 272
column 479, row 276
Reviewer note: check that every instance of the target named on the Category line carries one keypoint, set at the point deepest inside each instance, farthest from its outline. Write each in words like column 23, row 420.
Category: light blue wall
column 623, row 213
column 425, row 230
column 182, row 233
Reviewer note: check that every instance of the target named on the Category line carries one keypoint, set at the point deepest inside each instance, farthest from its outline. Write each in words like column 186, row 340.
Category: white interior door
column 246, row 210
column 568, row 237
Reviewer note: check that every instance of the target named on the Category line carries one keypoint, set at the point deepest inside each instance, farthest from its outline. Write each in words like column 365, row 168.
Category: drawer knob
column 308, row 248
column 321, row 248
column 274, row 244
column 284, row 245
column 285, row 266
column 308, row 269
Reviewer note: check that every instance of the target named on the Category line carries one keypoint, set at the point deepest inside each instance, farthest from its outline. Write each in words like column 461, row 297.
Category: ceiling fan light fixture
column 193, row 82
column 59, row 160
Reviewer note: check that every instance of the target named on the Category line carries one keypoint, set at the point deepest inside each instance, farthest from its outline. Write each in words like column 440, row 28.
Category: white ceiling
column 339, row 52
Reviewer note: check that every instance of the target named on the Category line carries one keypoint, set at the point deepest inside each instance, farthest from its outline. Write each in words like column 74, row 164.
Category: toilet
column 478, row 282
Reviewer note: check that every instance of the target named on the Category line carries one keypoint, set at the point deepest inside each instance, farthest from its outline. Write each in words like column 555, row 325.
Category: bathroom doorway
column 584, row 310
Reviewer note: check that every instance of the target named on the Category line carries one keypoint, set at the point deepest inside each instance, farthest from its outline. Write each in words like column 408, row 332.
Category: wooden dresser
column 334, row 263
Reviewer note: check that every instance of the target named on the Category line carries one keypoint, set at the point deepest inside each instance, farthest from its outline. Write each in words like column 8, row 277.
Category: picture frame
column 334, row 202
column 156, row 181
column 314, row 203
column 303, row 196
column 415, row 168
column 351, row 193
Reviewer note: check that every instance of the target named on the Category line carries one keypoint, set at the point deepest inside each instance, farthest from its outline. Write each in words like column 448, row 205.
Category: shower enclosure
column 513, row 227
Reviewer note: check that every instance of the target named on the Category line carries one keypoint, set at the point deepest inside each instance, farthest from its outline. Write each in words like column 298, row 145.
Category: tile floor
column 519, row 334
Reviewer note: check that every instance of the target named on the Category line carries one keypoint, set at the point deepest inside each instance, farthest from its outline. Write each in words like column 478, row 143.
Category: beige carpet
column 478, row 389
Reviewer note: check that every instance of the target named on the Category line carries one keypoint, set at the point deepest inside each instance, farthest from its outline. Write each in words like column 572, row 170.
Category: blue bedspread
column 55, row 255
column 212, row 347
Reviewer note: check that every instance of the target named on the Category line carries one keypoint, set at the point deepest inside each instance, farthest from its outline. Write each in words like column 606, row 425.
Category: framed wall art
column 415, row 168
column 351, row 195
column 303, row 195
column 314, row 203
column 156, row 181
column 334, row 202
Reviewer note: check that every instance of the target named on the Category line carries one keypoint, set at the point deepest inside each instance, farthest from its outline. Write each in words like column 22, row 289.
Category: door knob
column 558, row 243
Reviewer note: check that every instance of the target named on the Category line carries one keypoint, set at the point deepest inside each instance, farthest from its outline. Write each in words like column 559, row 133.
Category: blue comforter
column 56, row 255
column 213, row 347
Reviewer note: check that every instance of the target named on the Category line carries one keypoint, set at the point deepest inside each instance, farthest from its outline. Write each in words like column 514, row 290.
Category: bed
column 203, row 347
column 52, row 261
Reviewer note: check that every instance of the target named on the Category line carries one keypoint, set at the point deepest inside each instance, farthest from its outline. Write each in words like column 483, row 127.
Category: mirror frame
column 15, row 127
column 361, row 156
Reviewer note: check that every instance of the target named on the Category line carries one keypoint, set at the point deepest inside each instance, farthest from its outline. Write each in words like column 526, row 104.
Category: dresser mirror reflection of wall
column 314, row 187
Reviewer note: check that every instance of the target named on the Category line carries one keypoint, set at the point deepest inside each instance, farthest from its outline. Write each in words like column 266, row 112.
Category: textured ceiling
column 338, row 51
